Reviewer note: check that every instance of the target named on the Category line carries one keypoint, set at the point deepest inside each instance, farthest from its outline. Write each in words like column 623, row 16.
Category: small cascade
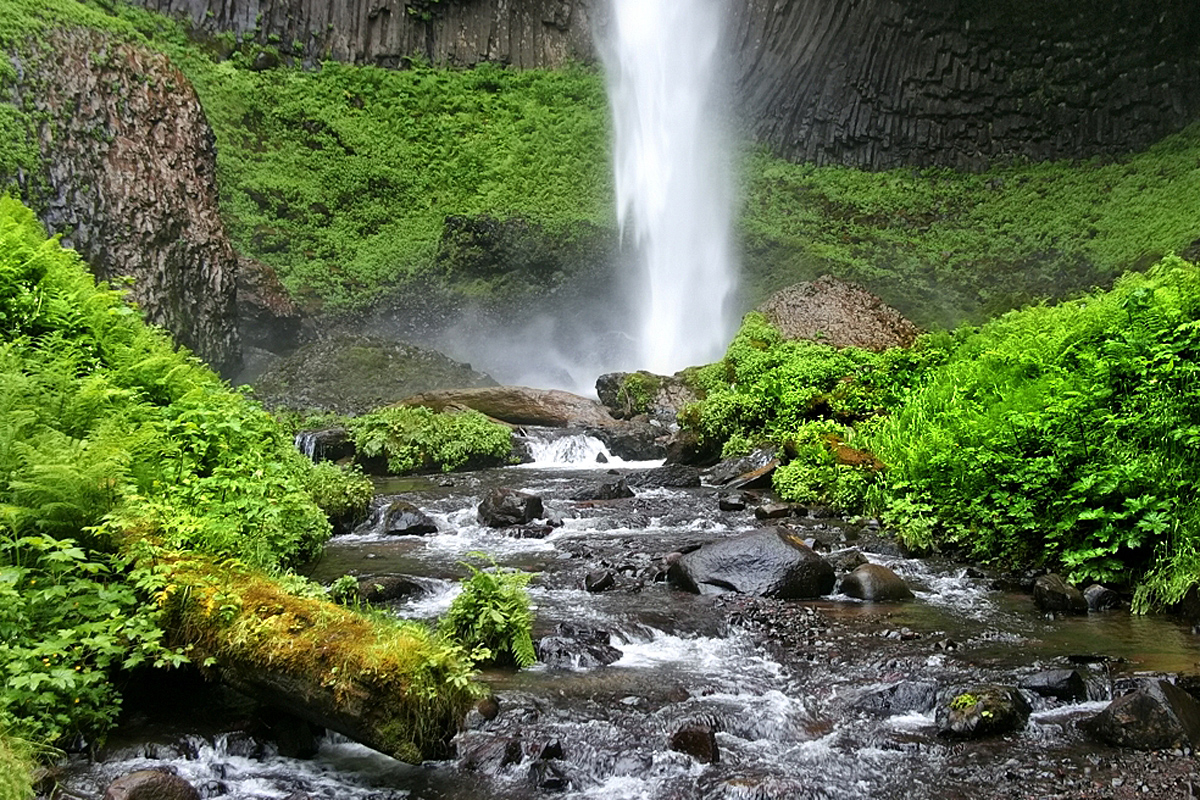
column 307, row 442
column 576, row 449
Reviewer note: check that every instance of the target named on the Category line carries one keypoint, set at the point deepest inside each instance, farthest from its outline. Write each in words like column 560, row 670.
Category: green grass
column 16, row 770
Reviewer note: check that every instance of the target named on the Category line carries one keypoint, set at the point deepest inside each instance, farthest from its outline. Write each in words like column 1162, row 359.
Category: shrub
column 420, row 440
column 492, row 619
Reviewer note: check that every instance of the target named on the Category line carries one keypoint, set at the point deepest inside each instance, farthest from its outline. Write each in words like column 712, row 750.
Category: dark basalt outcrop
column 128, row 178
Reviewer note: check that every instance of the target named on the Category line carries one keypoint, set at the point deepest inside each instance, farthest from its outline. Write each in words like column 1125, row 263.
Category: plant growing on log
column 492, row 619
column 420, row 440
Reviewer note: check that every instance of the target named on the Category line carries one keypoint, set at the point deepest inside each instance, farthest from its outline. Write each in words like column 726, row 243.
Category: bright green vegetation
column 491, row 619
column 343, row 494
column 421, row 440
column 1063, row 436
column 139, row 494
column 16, row 769
column 946, row 247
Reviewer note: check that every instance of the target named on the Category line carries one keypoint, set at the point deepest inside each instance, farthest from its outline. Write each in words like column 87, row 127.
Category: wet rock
column 487, row 753
column 548, row 751
column 601, row 458
column 732, row 468
column 612, row 490
column 1101, row 598
column 731, row 502
column 841, row 314
column 519, row 405
column 1156, row 716
column 982, row 711
column 687, row 448
column 295, row 737
column 777, row 511
column 1052, row 593
column 327, row 444
column 633, row 441
column 672, row 476
column 528, row 531
column 876, row 583
column 151, row 784
column 385, row 588
column 405, row 519
column 756, row 479
column 503, row 507
column 576, row 648
column 549, row 776
column 770, row 562
column 1061, row 684
column 698, row 741
column 846, row 560
column 900, row 698
column 599, row 581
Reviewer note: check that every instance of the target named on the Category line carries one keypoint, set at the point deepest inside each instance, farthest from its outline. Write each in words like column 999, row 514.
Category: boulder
column 401, row 518
column 385, row 588
column 982, row 711
column 504, row 507
column 487, row 753
column 732, row 468
column 1101, row 598
column 518, row 405
column 633, row 441
column 672, row 476
column 687, row 448
column 770, row 562
column 760, row 478
column 576, row 648
column 327, row 444
column 630, row 394
column 611, row 490
column 1052, row 593
column 698, row 741
column 151, row 784
column 900, row 698
column 1159, row 715
column 599, row 581
column 876, row 583
column 731, row 502
column 1061, row 684
column 841, row 314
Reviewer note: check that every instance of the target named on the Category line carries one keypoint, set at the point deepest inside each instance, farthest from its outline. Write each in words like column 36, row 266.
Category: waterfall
column 674, row 195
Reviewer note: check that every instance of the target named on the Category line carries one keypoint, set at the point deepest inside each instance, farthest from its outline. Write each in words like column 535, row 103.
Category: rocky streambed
column 649, row 691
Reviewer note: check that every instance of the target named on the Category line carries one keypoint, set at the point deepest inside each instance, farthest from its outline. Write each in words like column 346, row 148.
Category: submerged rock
column 487, row 753
column 576, row 648
column 611, row 490
column 981, row 711
column 876, row 583
column 1053, row 593
column 1158, row 715
column 900, row 698
column 698, row 741
column 151, row 784
column 769, row 562
column 1101, row 598
column 504, row 507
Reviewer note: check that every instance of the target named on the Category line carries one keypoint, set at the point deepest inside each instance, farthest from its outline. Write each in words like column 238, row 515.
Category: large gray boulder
column 875, row 583
column 770, row 562
column 151, row 784
column 1158, row 715
column 1053, row 593
column 841, row 314
column 504, row 507
column 982, row 711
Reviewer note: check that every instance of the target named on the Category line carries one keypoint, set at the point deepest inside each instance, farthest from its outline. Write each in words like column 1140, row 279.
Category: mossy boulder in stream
column 354, row 374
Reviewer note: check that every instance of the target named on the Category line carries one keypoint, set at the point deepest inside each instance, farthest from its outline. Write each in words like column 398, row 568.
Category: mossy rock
column 352, row 375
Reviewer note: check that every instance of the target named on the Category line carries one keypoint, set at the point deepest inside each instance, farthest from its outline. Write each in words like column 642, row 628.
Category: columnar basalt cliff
column 128, row 179
column 870, row 83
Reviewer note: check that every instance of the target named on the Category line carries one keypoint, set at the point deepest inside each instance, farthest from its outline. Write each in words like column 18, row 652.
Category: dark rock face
column 876, row 583
column 630, row 394
column 982, row 711
column 355, row 374
column 487, row 753
column 128, row 178
column 633, row 441
column 698, row 741
column 328, row 444
column 612, row 490
column 503, row 507
column 672, row 476
column 151, row 784
column 1053, row 593
column 383, row 588
column 1159, row 715
column 1061, row 684
column 1101, row 598
column 577, row 648
column 770, row 563
column 900, row 698
column 838, row 313
column 405, row 519
column 686, row 448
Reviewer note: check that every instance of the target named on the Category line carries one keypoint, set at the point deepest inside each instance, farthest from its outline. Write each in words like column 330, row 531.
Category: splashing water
column 673, row 184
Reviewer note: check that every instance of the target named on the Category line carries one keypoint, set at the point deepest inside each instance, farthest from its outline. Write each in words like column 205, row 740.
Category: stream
column 799, row 693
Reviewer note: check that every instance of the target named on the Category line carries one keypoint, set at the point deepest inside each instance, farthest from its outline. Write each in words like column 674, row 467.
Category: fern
column 491, row 619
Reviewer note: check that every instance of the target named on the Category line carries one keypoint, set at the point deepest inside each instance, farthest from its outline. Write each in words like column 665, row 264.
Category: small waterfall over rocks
column 674, row 196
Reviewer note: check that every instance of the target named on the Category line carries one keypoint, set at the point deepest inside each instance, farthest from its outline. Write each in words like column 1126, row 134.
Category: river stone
column 731, row 469
column 385, row 588
column 504, row 507
column 846, row 560
column 633, row 440
column 576, row 648
column 982, row 711
column 612, row 490
column 731, row 502
column 1052, row 593
column 1061, row 684
column 599, row 581
column 151, row 784
column 900, row 698
column 1101, row 598
column 698, row 741
column 404, row 519
column 876, row 583
column 487, row 753
column 671, row 476
column 777, row 511
column 1157, row 716
column 769, row 562
column 549, row 775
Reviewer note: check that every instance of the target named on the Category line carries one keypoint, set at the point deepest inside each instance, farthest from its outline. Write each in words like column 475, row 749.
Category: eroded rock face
column 770, row 562
column 841, row 314
column 129, row 180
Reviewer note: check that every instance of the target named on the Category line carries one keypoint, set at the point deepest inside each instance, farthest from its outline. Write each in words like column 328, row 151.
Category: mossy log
column 390, row 685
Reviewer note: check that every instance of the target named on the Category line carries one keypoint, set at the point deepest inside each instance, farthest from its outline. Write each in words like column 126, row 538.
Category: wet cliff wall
column 127, row 177
column 870, row 83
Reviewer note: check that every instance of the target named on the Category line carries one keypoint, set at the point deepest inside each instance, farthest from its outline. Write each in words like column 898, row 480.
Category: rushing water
column 789, row 713
column 664, row 65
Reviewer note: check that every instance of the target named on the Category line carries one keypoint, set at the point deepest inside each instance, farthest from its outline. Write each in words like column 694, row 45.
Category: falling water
column 673, row 185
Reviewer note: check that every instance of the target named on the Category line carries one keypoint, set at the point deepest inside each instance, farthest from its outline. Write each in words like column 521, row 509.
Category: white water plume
column 664, row 60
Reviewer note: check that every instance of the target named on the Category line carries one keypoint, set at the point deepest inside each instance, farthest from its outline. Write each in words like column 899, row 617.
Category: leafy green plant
column 491, row 619
column 421, row 440
column 343, row 493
